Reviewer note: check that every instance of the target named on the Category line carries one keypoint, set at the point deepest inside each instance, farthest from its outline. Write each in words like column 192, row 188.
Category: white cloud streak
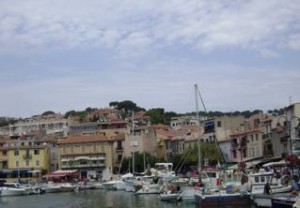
column 130, row 25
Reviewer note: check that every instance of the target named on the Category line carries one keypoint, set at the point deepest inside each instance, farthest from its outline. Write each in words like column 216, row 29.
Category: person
column 294, row 190
column 267, row 189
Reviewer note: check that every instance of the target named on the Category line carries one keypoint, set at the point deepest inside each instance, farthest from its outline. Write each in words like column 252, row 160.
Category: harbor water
column 89, row 199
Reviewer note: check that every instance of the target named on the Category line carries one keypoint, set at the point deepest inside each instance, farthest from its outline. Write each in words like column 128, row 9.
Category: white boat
column 119, row 184
column 51, row 187
column 170, row 197
column 287, row 201
column 164, row 171
column 151, row 188
column 278, row 187
column 12, row 189
column 187, row 194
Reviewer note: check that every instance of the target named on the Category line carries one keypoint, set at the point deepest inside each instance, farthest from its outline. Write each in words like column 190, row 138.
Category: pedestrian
column 267, row 189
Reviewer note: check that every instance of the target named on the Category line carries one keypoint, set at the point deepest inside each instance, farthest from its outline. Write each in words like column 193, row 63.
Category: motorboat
column 119, row 184
column 13, row 189
column 278, row 187
column 220, row 198
column 287, row 201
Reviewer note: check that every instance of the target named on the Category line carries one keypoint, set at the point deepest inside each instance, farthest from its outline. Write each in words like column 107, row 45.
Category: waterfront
column 89, row 199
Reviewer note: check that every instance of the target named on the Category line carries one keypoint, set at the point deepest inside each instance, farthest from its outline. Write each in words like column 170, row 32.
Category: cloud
column 205, row 25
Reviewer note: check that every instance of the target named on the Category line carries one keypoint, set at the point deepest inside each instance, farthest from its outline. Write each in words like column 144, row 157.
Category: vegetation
column 139, row 162
column 4, row 121
column 157, row 115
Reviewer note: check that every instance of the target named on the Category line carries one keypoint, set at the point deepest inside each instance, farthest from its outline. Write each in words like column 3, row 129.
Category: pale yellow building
column 91, row 155
column 24, row 159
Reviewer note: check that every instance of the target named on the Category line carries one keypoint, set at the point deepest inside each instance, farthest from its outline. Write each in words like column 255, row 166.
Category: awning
column 248, row 164
column 62, row 173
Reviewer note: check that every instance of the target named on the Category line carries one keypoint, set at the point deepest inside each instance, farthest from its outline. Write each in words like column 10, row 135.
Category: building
column 24, row 158
column 140, row 139
column 47, row 124
column 92, row 155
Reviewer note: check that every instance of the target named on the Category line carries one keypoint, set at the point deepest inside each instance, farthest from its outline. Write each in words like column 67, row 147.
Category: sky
column 63, row 55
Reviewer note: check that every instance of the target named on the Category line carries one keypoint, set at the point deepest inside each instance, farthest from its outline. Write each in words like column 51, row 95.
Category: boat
column 278, row 187
column 164, row 171
column 51, row 187
column 169, row 192
column 170, row 197
column 13, row 189
column 222, row 198
column 287, row 201
column 119, row 184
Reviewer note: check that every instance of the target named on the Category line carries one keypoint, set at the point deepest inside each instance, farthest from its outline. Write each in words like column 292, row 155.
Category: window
column 256, row 137
column 16, row 153
column 17, row 163
column 119, row 158
column 234, row 154
column 36, row 152
column 37, row 163
column 27, row 163
column 94, row 148
column 83, row 148
column 219, row 123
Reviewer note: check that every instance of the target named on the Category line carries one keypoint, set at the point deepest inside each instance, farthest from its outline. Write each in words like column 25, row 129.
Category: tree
column 48, row 113
column 113, row 104
column 126, row 105
column 156, row 115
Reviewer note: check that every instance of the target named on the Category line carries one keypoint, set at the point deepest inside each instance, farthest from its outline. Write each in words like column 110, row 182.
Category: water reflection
column 88, row 199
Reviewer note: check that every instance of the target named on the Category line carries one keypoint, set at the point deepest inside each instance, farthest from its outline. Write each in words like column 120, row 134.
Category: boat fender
column 219, row 181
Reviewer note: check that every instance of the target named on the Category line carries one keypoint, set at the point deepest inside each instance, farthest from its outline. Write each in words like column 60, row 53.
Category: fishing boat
column 231, row 196
column 284, row 201
column 278, row 187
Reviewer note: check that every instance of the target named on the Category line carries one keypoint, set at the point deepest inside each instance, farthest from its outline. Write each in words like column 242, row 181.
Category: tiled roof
column 84, row 139
column 120, row 136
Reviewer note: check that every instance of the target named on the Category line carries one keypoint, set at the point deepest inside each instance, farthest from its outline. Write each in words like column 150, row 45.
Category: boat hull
column 283, row 202
column 5, row 191
column 223, row 200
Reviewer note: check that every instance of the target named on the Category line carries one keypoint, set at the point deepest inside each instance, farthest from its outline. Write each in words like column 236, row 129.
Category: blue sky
column 62, row 55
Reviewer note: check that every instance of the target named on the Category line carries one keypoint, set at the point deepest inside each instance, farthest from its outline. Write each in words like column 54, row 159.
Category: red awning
column 62, row 173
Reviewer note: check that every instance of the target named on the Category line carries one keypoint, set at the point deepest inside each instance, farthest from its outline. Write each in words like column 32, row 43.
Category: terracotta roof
column 167, row 134
column 160, row 126
column 120, row 136
column 84, row 139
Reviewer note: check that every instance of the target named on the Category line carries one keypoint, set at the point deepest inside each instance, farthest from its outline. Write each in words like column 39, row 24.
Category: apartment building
column 24, row 158
column 92, row 155
column 47, row 124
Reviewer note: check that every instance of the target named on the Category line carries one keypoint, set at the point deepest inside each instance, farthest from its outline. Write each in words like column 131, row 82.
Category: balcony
column 83, row 165
column 119, row 149
column 267, row 136
column 284, row 139
column 27, row 156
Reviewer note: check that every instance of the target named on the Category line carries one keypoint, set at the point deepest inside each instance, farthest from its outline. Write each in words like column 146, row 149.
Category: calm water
column 88, row 199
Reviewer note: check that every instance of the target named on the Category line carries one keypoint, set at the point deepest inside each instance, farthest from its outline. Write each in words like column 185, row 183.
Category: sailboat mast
column 198, row 123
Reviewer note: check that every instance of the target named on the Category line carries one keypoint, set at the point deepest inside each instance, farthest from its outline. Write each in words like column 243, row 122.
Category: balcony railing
column 119, row 149
column 83, row 165
column 27, row 157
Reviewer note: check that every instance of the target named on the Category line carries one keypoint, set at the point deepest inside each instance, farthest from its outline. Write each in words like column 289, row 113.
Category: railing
column 27, row 157
column 119, row 149
column 83, row 165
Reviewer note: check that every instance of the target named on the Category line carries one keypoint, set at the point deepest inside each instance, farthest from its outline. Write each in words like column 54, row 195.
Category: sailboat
column 231, row 195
